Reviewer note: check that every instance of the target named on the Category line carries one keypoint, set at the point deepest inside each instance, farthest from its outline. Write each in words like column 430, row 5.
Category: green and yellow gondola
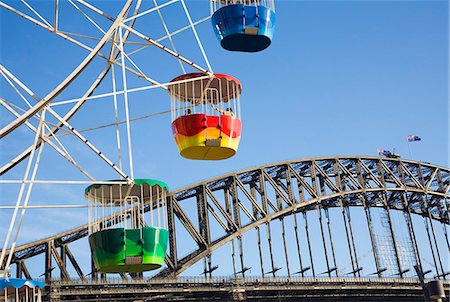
column 128, row 226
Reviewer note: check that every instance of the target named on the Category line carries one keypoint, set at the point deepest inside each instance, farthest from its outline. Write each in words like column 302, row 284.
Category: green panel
column 110, row 249
column 107, row 248
column 133, row 243
column 139, row 181
column 155, row 245
column 151, row 182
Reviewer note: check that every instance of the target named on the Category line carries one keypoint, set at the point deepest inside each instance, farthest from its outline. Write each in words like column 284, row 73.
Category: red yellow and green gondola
column 128, row 225
column 206, row 122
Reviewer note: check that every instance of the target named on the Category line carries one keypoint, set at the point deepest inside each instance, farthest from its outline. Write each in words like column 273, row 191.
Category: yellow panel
column 194, row 147
column 207, row 153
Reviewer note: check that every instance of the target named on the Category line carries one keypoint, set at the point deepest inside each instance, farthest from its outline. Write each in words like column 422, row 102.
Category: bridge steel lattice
column 238, row 289
column 223, row 210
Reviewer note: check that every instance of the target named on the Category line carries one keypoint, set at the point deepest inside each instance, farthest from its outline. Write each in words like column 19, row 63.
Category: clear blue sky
column 341, row 78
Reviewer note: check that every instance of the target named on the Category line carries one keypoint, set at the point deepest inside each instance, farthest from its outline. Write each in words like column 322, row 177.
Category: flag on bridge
column 413, row 138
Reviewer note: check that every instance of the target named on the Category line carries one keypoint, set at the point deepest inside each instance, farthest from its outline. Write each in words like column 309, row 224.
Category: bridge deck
column 254, row 289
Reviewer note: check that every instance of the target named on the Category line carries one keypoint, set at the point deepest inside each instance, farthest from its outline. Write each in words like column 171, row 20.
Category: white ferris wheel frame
column 117, row 34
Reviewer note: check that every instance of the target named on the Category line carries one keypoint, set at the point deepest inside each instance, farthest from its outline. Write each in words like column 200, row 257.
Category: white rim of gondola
column 215, row 5
column 218, row 82
column 205, row 95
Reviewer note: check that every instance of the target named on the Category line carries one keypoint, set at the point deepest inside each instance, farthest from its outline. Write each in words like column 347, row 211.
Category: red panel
column 193, row 124
column 231, row 126
column 189, row 125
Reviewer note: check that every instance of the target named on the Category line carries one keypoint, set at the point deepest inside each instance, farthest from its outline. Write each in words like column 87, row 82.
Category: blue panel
column 244, row 28
column 18, row 283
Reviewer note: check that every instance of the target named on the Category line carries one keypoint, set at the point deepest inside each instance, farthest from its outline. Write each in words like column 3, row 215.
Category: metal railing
column 218, row 4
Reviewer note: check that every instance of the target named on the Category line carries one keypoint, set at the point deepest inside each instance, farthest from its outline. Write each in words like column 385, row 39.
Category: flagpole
column 409, row 148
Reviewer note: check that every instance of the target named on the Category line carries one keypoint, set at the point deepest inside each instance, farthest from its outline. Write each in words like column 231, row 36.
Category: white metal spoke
column 63, row 152
column 87, row 17
column 75, row 206
column 14, row 87
column 149, row 11
column 88, row 144
column 13, row 125
column 55, row 26
column 62, row 34
column 2, row 71
column 74, row 109
column 138, row 73
column 99, row 38
column 142, row 75
column 80, row 35
column 111, row 53
column 65, row 182
column 103, row 95
column 11, row 105
column 162, row 47
column 49, row 28
column 116, row 113
column 168, row 34
column 95, row 9
column 66, row 36
column 19, row 197
column 171, row 34
column 108, row 94
column 137, row 89
column 184, row 28
column 127, row 113
column 196, row 35
column 30, row 188
column 120, row 122
column 7, row 75
column 35, row 12
column 65, row 123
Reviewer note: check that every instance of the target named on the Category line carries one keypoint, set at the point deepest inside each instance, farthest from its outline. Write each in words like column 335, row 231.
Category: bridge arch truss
column 326, row 194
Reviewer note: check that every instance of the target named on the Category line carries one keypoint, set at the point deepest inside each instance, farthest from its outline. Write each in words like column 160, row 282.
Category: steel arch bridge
column 205, row 217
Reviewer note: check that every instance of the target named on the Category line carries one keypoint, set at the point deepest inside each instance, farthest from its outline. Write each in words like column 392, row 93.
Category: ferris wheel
column 113, row 56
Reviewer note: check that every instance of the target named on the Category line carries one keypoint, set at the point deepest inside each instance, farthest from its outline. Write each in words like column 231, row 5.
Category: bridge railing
column 226, row 280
